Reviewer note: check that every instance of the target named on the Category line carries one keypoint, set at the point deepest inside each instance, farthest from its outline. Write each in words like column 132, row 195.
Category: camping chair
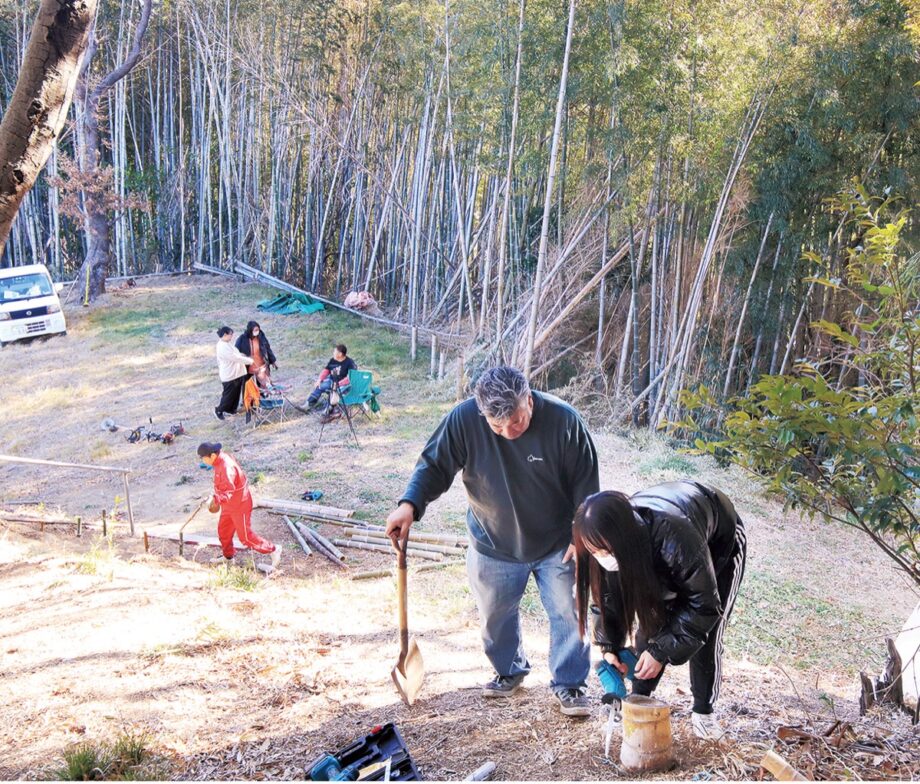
column 361, row 394
column 263, row 406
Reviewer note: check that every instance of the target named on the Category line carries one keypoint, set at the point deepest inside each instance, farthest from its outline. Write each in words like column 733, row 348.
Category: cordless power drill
column 328, row 768
column 613, row 680
column 615, row 689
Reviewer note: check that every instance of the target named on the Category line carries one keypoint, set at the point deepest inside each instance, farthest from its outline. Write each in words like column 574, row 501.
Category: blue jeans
column 324, row 387
column 498, row 587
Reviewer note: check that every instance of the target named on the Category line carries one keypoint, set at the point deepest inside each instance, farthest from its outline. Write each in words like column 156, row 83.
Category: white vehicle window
column 25, row 287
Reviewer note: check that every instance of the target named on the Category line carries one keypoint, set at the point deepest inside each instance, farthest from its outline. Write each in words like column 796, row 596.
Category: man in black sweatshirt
column 528, row 462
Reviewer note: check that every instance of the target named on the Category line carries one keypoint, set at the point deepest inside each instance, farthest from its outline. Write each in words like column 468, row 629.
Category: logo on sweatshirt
column 534, row 459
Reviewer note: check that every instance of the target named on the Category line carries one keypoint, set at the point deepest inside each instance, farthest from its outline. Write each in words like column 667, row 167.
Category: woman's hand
column 611, row 658
column 648, row 667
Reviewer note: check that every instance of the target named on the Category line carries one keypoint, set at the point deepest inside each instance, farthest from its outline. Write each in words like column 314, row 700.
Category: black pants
column 706, row 663
column 230, row 398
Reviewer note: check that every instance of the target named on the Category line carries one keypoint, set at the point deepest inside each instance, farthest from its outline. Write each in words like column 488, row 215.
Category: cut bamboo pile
column 357, row 535
column 427, row 546
column 413, row 546
column 392, row 572
column 304, row 509
column 297, row 535
column 382, row 547
column 322, row 545
column 377, row 531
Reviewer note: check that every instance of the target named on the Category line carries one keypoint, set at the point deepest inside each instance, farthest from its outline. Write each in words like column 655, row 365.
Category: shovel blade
column 409, row 673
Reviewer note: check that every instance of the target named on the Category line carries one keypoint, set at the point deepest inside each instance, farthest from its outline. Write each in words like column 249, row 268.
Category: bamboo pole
column 327, row 544
column 430, row 548
column 297, row 536
column 548, row 202
column 303, row 506
column 386, row 548
column 415, row 536
column 347, row 523
column 310, row 536
column 415, row 569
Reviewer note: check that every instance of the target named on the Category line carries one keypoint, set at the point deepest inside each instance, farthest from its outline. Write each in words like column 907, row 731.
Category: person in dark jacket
column 668, row 560
column 528, row 462
column 253, row 343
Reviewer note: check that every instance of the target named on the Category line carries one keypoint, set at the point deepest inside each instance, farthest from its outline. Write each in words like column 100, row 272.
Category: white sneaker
column 276, row 557
column 706, row 726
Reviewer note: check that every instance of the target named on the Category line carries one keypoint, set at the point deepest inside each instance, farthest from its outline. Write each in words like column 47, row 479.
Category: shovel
column 409, row 671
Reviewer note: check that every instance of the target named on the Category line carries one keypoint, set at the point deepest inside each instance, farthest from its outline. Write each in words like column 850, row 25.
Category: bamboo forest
column 637, row 192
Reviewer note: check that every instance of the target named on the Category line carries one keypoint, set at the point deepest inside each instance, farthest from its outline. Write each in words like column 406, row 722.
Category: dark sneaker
column 218, row 414
column 503, row 685
column 573, row 702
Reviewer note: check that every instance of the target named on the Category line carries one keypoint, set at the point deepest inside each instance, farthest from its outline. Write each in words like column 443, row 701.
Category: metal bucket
column 647, row 742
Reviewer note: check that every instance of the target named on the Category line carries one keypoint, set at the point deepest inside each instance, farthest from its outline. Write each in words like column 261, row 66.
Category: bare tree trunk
column 38, row 108
column 548, row 202
column 95, row 267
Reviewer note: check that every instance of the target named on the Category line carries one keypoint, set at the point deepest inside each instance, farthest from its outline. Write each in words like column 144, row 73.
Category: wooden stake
column 105, row 531
column 79, row 526
column 146, row 543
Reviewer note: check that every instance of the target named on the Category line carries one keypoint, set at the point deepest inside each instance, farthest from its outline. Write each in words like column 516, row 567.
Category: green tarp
column 285, row 304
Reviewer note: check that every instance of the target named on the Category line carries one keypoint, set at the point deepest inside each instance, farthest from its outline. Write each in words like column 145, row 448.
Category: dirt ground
column 254, row 679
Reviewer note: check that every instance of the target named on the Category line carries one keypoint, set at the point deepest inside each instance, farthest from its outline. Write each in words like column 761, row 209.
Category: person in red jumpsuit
column 231, row 491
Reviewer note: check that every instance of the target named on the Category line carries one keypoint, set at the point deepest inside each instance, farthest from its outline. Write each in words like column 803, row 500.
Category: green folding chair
column 361, row 394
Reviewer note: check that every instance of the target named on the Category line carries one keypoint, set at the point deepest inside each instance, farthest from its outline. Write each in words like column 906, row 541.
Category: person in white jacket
column 231, row 367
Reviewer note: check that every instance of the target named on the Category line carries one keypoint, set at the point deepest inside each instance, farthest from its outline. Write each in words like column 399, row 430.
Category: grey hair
column 500, row 391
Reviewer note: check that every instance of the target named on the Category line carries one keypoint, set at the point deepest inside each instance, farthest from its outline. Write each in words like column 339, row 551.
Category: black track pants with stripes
column 706, row 663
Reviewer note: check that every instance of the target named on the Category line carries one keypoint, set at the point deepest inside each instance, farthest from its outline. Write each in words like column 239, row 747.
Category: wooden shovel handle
column 400, row 545
column 402, row 596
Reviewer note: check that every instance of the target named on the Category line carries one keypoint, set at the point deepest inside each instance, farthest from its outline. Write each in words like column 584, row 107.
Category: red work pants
column 237, row 520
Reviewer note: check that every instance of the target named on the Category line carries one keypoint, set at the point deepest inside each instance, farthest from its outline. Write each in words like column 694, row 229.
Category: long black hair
column 606, row 521
column 250, row 327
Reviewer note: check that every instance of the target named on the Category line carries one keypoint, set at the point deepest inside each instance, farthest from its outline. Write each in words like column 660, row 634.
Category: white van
column 29, row 304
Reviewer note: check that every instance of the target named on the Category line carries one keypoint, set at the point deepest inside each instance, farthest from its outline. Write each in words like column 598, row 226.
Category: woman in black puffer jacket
column 668, row 560
column 253, row 343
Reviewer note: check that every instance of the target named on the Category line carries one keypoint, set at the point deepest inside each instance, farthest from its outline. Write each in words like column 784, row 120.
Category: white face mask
column 607, row 561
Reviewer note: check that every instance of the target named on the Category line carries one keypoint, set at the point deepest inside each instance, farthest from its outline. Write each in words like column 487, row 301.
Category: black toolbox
column 368, row 756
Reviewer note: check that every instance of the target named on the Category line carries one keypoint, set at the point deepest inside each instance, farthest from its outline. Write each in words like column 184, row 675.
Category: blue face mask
column 206, row 467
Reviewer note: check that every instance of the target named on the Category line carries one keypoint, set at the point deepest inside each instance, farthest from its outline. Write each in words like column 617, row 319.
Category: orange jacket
column 251, row 395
